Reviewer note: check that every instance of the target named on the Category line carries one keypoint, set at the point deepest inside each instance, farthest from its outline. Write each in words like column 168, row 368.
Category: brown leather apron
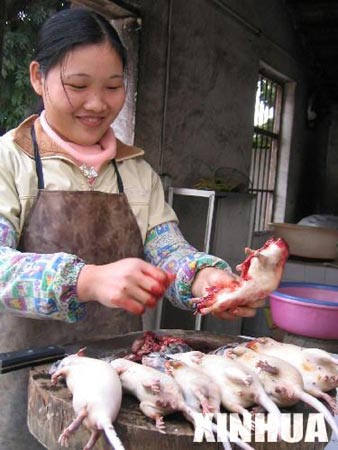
column 96, row 226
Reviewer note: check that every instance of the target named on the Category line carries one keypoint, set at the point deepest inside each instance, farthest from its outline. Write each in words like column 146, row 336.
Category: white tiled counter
column 311, row 272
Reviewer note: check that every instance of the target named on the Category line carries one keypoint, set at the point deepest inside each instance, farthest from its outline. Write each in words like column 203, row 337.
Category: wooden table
column 50, row 409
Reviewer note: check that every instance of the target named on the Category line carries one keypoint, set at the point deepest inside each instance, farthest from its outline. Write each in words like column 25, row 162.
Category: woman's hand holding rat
column 130, row 283
column 209, row 277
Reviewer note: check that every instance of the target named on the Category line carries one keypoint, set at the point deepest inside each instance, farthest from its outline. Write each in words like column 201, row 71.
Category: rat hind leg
column 92, row 440
column 206, row 405
column 64, row 437
column 152, row 412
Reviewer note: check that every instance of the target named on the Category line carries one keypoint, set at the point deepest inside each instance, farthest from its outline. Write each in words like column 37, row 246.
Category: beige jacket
column 18, row 187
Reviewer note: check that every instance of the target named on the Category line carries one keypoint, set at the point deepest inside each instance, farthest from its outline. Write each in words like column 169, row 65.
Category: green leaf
column 17, row 96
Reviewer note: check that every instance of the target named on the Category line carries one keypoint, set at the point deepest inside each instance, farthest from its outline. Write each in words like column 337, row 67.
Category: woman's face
column 83, row 94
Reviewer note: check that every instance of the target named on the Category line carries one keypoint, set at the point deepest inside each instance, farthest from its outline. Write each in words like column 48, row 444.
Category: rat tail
column 316, row 404
column 112, row 436
column 227, row 444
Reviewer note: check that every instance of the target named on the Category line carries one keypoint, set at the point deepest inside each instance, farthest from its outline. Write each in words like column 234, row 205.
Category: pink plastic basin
column 306, row 309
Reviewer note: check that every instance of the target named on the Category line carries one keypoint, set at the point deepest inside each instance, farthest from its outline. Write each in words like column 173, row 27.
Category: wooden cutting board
column 50, row 408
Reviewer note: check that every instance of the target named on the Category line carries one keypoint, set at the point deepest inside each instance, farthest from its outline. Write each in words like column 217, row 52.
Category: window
column 265, row 149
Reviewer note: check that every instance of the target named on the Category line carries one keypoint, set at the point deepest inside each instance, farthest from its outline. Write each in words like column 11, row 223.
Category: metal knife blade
column 20, row 359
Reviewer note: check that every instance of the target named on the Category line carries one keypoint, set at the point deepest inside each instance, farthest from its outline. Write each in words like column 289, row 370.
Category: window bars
column 265, row 146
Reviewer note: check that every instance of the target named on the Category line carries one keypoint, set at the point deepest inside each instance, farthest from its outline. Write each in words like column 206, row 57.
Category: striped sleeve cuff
column 179, row 292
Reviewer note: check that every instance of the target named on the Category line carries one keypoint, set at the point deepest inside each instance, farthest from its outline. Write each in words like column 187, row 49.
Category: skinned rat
column 281, row 380
column 199, row 391
column 260, row 274
column 239, row 386
column 97, row 396
column 160, row 394
column 318, row 368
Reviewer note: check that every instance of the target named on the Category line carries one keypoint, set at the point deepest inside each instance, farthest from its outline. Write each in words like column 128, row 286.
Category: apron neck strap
column 39, row 171
column 38, row 164
column 119, row 179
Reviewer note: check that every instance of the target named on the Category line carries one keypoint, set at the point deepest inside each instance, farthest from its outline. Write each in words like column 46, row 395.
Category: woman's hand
column 130, row 283
column 209, row 277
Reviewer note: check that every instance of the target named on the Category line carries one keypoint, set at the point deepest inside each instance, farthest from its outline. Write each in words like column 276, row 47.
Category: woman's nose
column 96, row 102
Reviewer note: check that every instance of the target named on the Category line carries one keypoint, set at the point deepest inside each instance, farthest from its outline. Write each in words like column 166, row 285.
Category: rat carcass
column 159, row 394
column 318, row 368
column 281, row 380
column 260, row 274
column 97, row 396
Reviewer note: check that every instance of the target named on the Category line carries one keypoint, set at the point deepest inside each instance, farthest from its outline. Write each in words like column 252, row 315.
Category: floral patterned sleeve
column 41, row 286
column 166, row 247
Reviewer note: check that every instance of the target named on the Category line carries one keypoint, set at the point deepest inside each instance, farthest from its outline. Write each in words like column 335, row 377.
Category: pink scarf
column 90, row 156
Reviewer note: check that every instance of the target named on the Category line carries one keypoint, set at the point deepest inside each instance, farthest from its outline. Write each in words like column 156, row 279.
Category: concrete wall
column 198, row 68
column 330, row 169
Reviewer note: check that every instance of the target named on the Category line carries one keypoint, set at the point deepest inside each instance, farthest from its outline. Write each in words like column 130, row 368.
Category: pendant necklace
column 89, row 172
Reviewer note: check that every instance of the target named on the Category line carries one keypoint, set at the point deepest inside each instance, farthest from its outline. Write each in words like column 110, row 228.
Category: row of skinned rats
column 236, row 377
column 319, row 369
column 282, row 381
column 209, row 382
column 239, row 386
column 160, row 394
column 311, row 375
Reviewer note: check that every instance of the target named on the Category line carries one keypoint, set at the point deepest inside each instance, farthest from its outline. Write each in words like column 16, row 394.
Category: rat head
column 67, row 361
column 276, row 251
column 236, row 351
column 156, row 360
column 54, row 367
column 271, row 257
column 261, row 343
column 172, row 365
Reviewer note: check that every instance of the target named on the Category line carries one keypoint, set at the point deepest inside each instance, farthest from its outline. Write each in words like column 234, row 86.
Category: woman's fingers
column 145, row 285
column 226, row 315
column 129, row 304
column 244, row 311
column 150, row 284
column 163, row 279
column 258, row 303
column 142, row 296
column 238, row 311
column 130, row 283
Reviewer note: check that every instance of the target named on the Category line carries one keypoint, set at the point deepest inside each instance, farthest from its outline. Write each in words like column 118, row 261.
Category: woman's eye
column 76, row 86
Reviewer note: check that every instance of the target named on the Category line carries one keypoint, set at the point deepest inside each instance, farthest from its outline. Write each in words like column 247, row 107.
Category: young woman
column 86, row 237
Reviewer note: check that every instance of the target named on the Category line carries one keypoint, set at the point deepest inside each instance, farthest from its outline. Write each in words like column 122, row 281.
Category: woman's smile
column 91, row 121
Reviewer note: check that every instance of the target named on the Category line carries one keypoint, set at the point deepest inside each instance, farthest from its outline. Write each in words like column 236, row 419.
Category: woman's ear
column 36, row 77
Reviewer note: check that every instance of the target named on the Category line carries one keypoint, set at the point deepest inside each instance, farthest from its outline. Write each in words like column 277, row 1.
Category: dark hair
column 70, row 28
